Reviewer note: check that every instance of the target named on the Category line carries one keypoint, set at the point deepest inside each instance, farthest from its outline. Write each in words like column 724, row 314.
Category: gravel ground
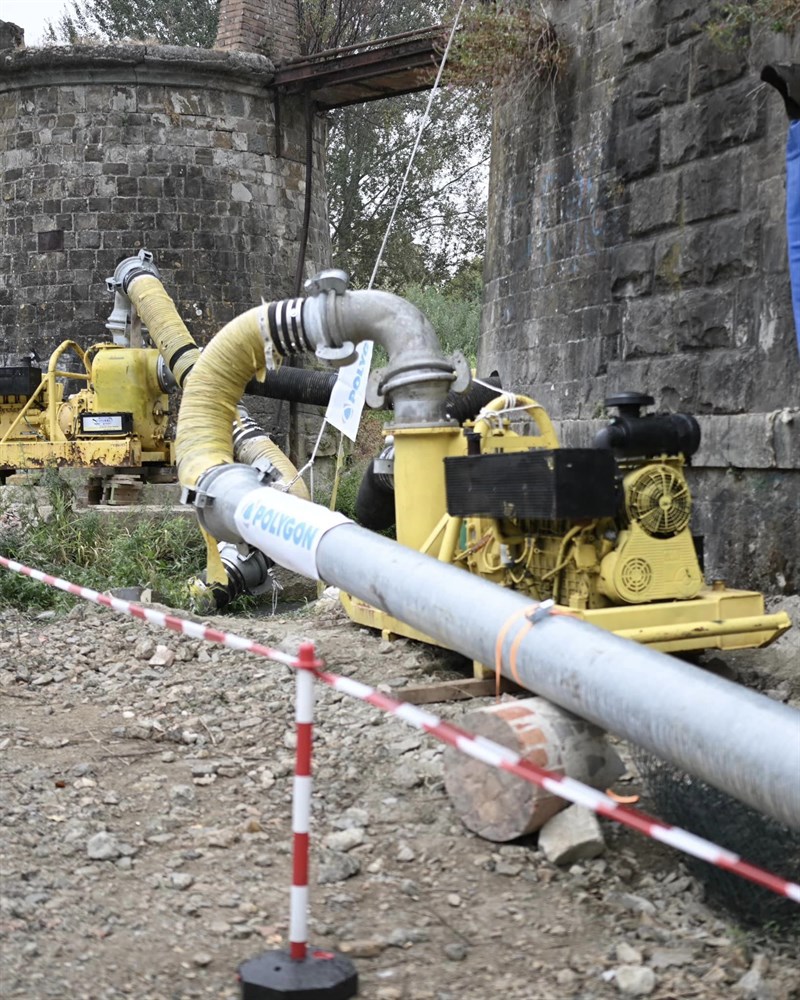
column 146, row 813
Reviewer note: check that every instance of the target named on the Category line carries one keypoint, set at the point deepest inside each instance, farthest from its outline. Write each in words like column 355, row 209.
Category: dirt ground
column 146, row 835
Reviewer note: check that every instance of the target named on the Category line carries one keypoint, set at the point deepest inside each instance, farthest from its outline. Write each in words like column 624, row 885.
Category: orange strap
column 531, row 615
column 501, row 638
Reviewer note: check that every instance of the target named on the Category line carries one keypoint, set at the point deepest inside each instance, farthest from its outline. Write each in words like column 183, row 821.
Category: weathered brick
column 736, row 115
column 654, row 203
column 632, row 270
column 643, row 33
column 684, row 133
column 648, row 326
column 713, row 65
column 680, row 259
column 733, row 248
column 712, row 187
column 704, row 320
column 656, row 83
column 637, row 150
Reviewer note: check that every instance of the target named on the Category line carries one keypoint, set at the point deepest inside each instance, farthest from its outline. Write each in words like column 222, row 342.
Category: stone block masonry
column 637, row 241
column 105, row 150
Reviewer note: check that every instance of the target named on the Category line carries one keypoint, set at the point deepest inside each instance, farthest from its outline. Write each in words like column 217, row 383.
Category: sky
column 31, row 15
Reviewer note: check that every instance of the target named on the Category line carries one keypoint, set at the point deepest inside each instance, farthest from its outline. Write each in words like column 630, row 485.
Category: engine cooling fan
column 658, row 498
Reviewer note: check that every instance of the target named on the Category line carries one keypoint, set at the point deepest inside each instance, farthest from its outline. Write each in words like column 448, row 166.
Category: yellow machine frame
column 45, row 429
column 716, row 618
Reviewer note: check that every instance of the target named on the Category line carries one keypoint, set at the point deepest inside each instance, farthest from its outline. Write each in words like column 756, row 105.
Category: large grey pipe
column 735, row 739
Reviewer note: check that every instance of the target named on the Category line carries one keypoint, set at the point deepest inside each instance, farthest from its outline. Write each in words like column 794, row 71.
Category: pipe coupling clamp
column 216, row 496
column 130, row 268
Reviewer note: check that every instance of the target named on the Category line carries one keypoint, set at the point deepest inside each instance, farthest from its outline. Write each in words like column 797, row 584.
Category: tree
column 168, row 22
column 441, row 220
column 330, row 24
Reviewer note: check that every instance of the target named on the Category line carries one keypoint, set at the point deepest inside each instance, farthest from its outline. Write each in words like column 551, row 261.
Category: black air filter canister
column 562, row 483
column 654, row 434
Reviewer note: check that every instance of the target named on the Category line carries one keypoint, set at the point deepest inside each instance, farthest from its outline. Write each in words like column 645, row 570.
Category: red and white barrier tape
column 181, row 625
column 495, row 755
column 478, row 747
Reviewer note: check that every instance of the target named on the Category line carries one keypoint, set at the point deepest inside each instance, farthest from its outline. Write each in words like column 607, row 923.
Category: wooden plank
column 455, row 690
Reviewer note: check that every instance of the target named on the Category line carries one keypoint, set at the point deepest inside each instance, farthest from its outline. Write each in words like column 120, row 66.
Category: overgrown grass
column 155, row 550
column 736, row 23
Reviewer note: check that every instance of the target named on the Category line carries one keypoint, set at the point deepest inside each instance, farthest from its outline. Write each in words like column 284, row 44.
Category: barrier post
column 296, row 974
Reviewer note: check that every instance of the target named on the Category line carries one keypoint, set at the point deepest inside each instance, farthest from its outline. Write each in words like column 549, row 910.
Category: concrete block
column 572, row 835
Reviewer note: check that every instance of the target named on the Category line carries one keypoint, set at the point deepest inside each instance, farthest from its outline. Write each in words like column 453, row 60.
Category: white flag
column 350, row 392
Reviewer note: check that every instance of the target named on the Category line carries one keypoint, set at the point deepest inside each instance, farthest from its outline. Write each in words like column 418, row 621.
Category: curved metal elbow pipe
column 330, row 321
column 419, row 375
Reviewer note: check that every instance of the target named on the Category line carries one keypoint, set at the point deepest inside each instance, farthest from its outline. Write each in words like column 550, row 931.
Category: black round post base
column 322, row 975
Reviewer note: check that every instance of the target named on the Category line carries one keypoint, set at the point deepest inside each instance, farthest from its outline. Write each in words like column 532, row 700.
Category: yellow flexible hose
column 249, row 452
column 211, row 398
column 164, row 324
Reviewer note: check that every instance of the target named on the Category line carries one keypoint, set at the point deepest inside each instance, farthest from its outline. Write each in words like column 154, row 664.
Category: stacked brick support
column 266, row 26
column 637, row 241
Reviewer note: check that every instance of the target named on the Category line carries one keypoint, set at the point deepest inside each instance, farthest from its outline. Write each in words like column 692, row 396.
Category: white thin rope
column 309, row 464
column 510, row 406
column 425, row 120
column 488, row 385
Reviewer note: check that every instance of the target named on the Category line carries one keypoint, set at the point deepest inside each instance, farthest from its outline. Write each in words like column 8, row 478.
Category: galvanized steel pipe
column 735, row 739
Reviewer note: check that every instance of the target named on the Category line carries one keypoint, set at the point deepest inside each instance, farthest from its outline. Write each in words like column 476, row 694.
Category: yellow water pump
column 605, row 531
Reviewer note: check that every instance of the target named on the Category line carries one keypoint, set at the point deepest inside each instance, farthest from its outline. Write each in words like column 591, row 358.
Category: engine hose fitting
column 253, row 446
column 285, row 321
column 248, row 572
column 137, row 281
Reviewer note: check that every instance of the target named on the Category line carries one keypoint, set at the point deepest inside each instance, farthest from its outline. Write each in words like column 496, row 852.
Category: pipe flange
column 130, row 268
column 338, row 357
column 462, row 371
column 329, row 280
column 375, row 397
column 395, row 382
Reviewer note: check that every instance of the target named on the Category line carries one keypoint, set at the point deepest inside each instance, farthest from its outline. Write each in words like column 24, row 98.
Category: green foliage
column 455, row 319
column 734, row 23
column 442, row 217
column 507, row 46
column 166, row 22
column 348, row 487
column 156, row 550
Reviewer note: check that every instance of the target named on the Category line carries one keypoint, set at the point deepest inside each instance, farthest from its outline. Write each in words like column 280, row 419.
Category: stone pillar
column 266, row 26
column 637, row 240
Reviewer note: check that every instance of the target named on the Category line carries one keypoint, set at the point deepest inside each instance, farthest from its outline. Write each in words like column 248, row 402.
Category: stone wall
column 637, row 241
column 105, row 150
